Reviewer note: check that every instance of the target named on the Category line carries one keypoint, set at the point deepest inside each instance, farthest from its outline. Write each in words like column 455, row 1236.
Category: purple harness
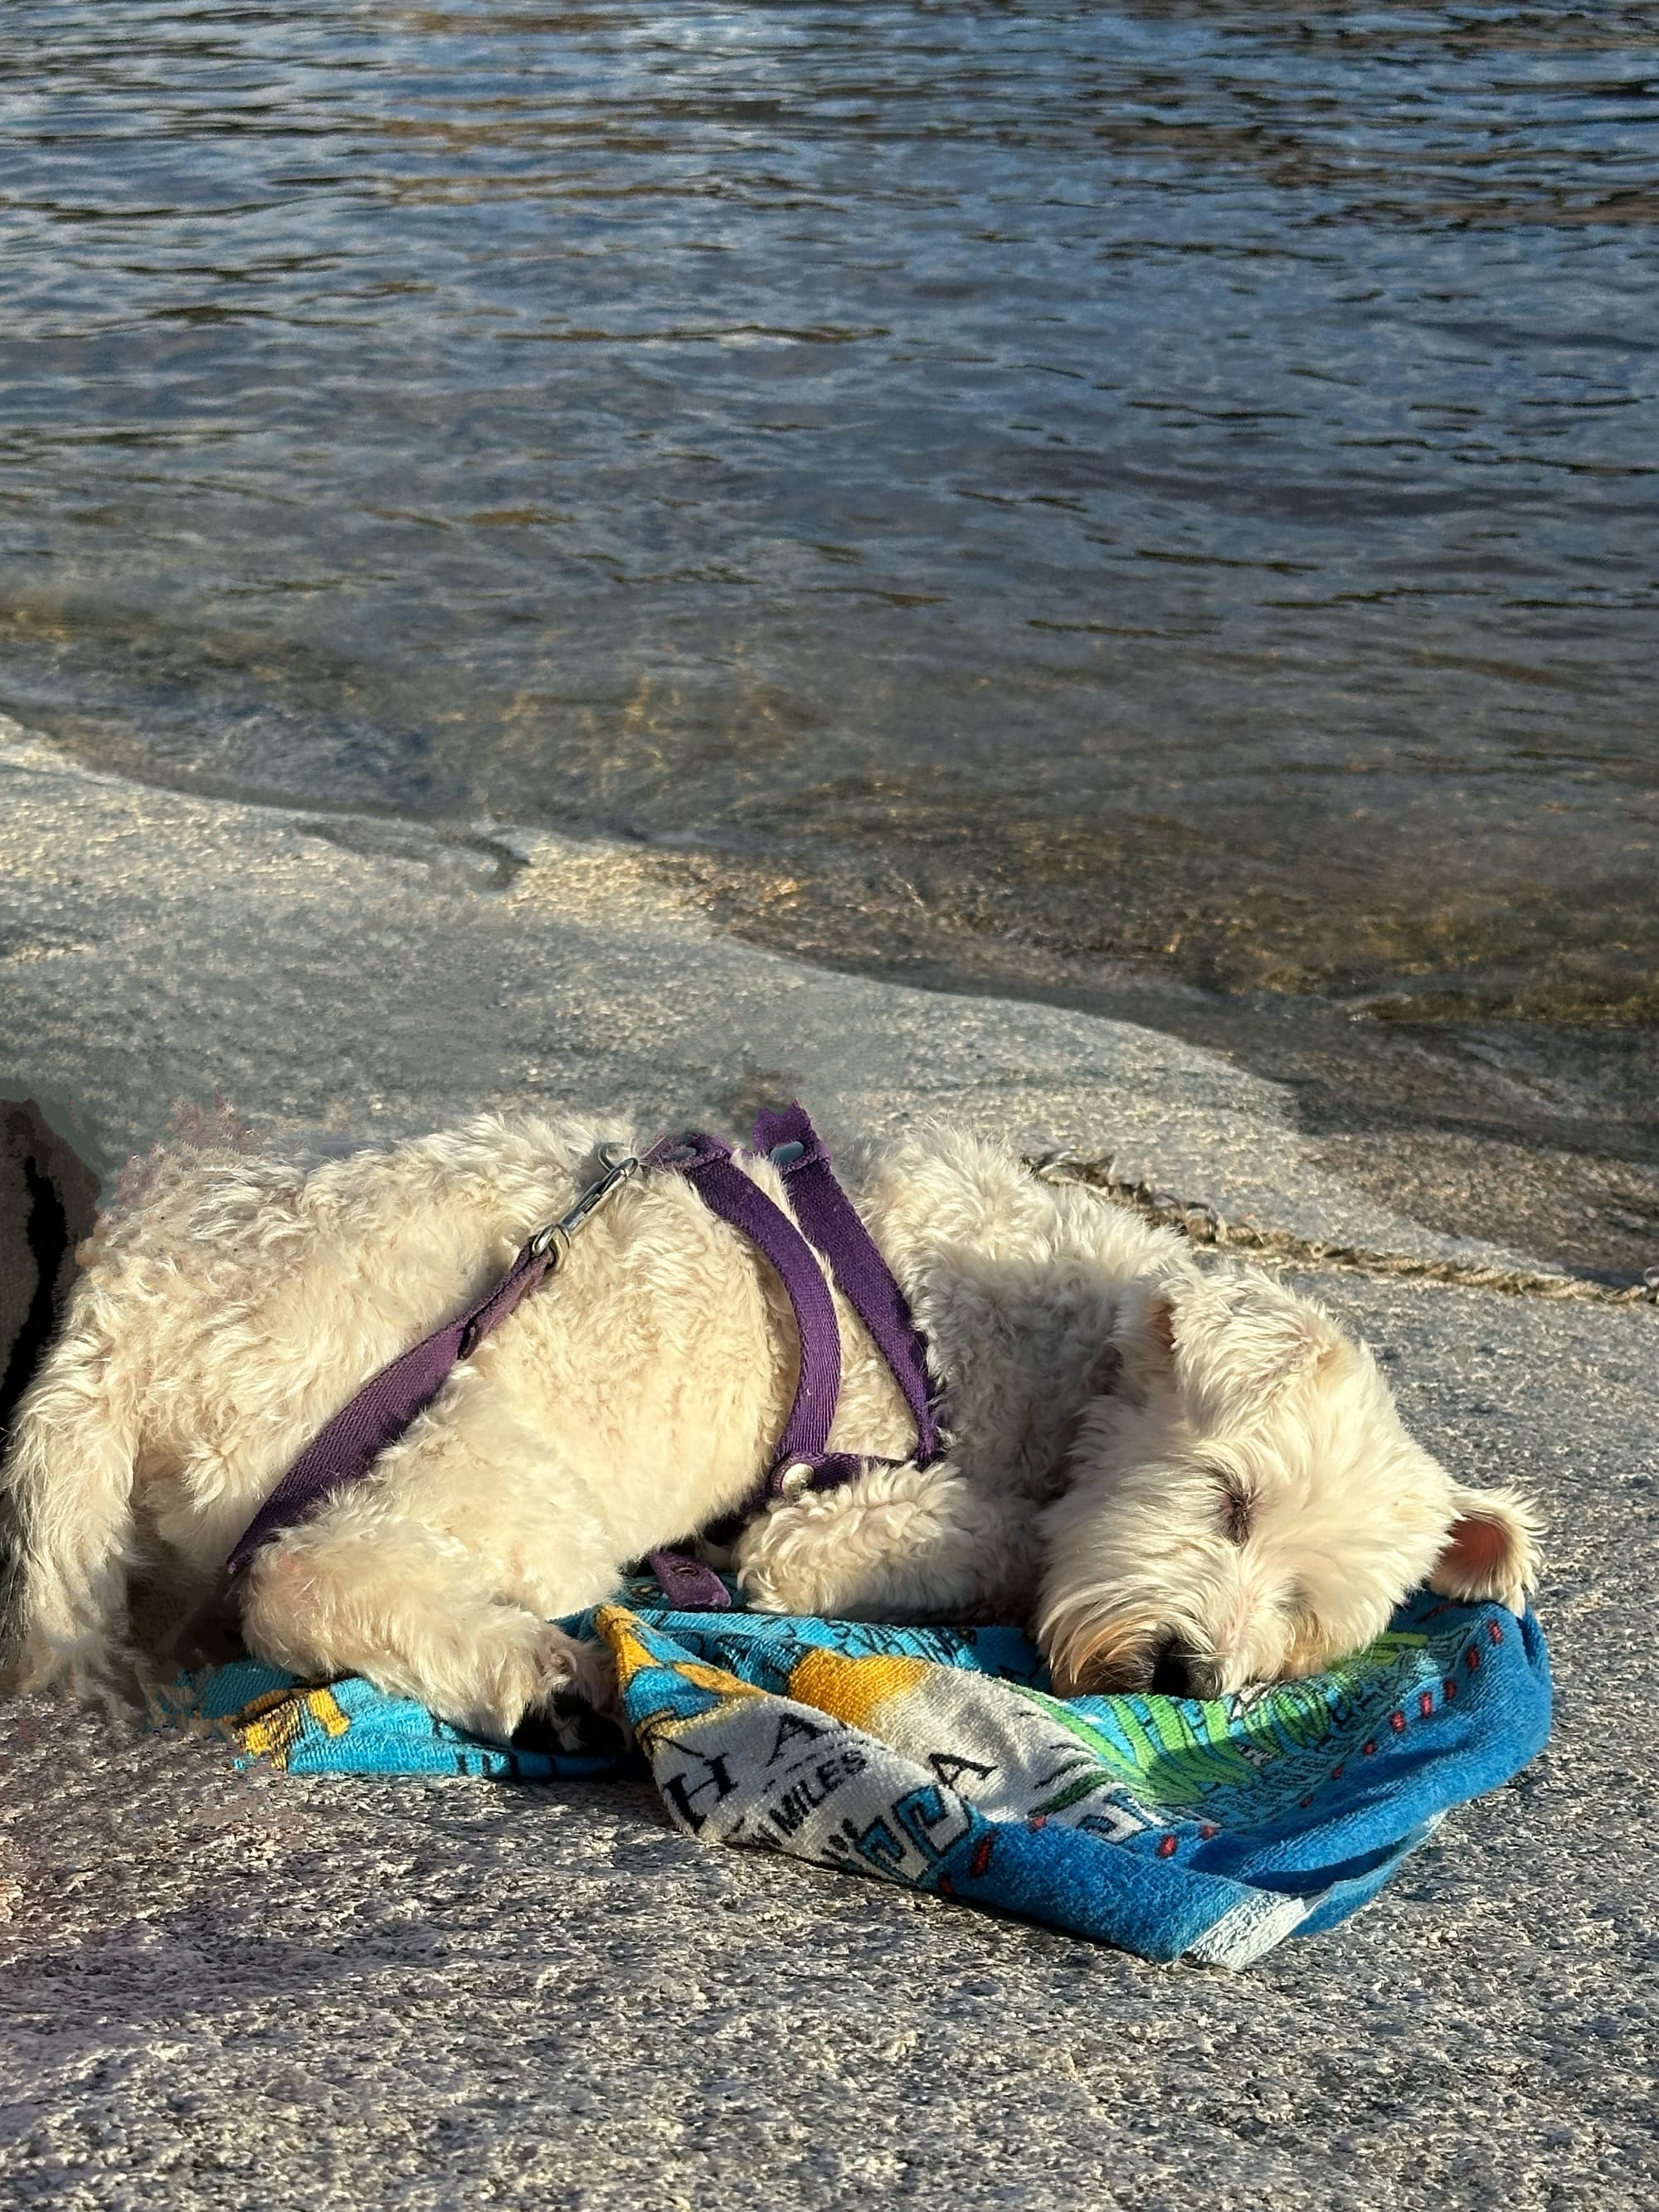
column 381, row 1413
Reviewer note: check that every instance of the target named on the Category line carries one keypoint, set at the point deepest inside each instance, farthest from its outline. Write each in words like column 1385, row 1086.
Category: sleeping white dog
column 1184, row 1478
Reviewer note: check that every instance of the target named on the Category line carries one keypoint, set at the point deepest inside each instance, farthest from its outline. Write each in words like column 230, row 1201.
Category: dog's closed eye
column 1237, row 1505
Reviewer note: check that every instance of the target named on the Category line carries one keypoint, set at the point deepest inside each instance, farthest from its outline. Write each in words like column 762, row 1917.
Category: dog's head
column 1247, row 1506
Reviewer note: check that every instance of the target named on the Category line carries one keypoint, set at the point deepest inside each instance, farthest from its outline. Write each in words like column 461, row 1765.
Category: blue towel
column 939, row 1758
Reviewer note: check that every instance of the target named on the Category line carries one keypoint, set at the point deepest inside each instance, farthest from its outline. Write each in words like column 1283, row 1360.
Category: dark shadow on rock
column 48, row 1202
column 313, row 1925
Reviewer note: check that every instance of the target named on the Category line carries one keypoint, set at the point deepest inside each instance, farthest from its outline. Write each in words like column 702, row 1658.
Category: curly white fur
column 1166, row 1468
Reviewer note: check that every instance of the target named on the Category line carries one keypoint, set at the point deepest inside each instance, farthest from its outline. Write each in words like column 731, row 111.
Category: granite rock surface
column 256, row 1990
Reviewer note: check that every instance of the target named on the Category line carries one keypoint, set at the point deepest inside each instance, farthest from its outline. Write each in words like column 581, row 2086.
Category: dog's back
column 224, row 1308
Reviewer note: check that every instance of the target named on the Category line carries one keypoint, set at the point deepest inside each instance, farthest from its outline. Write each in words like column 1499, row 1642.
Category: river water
column 1154, row 506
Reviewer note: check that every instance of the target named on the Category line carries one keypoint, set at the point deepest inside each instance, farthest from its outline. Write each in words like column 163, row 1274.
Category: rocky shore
column 258, row 1990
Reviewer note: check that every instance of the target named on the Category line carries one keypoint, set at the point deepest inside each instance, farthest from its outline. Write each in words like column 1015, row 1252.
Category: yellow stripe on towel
column 854, row 1690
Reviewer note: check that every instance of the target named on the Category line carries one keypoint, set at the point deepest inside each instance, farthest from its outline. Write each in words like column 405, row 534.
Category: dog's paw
column 91, row 1671
column 527, row 1675
column 573, row 1666
column 900, row 1543
column 785, row 1564
column 762, row 1592
column 576, row 1681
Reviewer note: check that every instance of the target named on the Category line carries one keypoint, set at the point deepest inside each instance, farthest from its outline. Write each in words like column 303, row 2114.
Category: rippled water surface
column 1172, row 484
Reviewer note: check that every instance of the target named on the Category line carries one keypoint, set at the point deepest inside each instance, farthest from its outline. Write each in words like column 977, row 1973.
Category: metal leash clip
column 556, row 1237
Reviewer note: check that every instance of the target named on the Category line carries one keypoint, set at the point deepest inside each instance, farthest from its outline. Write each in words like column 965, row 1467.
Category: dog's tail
column 66, row 1495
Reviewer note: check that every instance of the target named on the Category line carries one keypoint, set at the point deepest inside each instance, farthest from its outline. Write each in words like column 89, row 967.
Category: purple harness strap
column 830, row 1222
column 801, row 1461
column 726, row 1190
column 348, row 1446
column 363, row 1428
column 350, row 1443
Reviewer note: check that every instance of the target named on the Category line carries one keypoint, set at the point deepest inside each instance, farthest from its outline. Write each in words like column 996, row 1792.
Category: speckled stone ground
column 260, row 1991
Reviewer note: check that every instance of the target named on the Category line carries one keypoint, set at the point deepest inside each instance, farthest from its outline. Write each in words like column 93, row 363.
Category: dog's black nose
column 1172, row 1674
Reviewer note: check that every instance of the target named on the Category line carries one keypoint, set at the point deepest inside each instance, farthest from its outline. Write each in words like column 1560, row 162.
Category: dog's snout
column 1175, row 1674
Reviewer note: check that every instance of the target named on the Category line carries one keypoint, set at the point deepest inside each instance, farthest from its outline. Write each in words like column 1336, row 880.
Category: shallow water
column 1030, row 491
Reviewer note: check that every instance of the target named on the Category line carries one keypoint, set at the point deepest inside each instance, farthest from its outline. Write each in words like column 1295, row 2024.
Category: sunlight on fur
column 1185, row 1478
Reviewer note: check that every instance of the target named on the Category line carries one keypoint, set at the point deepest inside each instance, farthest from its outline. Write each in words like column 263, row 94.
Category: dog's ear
column 1227, row 1343
column 1490, row 1551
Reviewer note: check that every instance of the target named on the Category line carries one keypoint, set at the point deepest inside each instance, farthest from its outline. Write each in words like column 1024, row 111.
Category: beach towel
column 937, row 1759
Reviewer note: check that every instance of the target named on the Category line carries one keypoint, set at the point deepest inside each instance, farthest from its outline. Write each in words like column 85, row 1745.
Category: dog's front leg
column 900, row 1543
column 415, row 1612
